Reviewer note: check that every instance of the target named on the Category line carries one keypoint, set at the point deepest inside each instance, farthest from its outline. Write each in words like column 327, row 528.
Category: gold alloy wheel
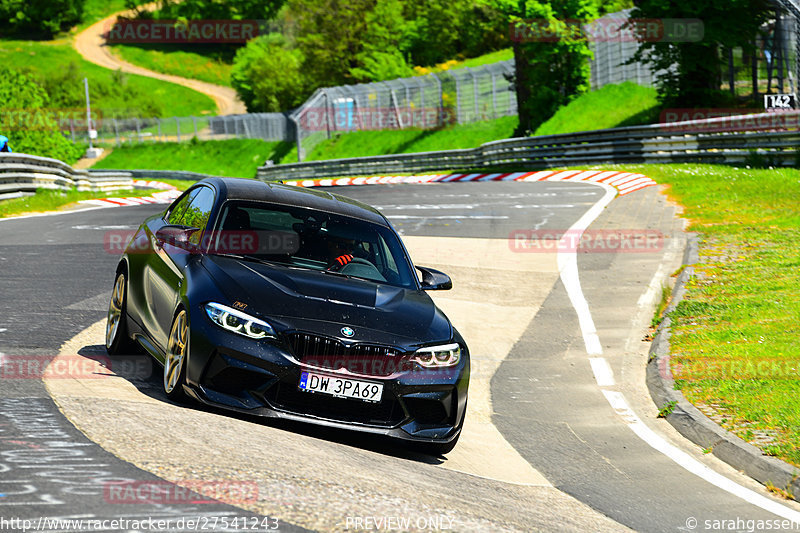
column 176, row 352
column 115, row 310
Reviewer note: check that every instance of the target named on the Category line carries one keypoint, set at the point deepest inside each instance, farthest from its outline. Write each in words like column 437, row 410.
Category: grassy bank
column 235, row 157
column 612, row 106
column 62, row 70
column 213, row 65
column 364, row 143
column 95, row 10
column 735, row 350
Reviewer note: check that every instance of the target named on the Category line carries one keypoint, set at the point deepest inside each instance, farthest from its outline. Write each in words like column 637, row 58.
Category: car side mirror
column 434, row 280
column 177, row 236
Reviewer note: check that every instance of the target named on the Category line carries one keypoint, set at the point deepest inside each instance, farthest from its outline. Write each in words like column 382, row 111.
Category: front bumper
column 261, row 378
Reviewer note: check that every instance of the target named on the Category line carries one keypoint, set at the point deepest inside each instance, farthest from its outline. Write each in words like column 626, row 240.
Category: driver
column 340, row 251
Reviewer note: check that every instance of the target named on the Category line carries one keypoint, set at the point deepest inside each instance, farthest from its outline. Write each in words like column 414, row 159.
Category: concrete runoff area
column 93, row 404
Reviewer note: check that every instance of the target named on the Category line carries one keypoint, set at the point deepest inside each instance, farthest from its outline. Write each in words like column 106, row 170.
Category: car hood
column 308, row 300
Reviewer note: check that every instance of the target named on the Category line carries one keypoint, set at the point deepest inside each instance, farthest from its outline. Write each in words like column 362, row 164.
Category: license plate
column 341, row 387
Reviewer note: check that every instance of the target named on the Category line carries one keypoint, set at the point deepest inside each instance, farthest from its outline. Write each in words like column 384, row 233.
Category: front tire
column 176, row 358
column 117, row 340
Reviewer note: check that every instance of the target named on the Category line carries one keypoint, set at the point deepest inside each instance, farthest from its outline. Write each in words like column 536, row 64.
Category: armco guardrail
column 771, row 138
column 23, row 174
column 160, row 174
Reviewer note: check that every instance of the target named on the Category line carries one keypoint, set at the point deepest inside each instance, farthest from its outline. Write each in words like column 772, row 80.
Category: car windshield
column 306, row 238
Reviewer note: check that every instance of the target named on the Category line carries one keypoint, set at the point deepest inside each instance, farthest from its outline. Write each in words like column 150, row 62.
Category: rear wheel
column 175, row 359
column 117, row 340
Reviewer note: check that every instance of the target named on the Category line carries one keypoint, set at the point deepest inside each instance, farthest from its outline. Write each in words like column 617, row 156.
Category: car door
column 164, row 273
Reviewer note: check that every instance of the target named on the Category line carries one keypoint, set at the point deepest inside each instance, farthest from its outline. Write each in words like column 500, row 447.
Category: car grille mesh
column 331, row 354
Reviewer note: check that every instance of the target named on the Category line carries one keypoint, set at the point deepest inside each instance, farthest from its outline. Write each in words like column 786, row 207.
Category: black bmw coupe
column 285, row 302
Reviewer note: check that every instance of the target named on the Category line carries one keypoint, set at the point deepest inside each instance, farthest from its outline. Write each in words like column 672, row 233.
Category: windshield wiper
column 247, row 258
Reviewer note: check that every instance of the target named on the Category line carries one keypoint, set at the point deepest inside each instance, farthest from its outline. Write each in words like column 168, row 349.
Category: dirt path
column 91, row 45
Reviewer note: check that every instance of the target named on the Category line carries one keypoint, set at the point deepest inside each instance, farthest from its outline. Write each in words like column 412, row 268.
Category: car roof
column 292, row 195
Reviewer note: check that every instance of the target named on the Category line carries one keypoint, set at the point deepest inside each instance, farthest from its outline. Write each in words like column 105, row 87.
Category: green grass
column 365, row 143
column 492, row 57
column 111, row 93
column 94, row 10
column 234, row 157
column 210, row 64
column 735, row 349
column 612, row 106
column 52, row 200
column 472, row 62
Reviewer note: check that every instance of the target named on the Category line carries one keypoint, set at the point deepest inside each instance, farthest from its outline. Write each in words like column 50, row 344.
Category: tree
column 381, row 57
column 551, row 55
column 267, row 76
column 432, row 33
column 216, row 9
column 40, row 18
column 691, row 72
column 330, row 36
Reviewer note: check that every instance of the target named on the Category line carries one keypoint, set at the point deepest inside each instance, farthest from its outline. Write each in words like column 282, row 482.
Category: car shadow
column 145, row 374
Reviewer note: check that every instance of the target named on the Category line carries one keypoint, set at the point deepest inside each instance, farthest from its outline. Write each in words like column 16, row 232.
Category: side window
column 387, row 254
column 198, row 211
column 176, row 213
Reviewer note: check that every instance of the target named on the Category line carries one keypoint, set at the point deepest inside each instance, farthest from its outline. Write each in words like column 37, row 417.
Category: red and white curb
column 623, row 182
column 163, row 197
column 148, row 184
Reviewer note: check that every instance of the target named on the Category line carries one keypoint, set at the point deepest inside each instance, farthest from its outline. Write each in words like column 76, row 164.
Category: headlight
column 438, row 356
column 238, row 322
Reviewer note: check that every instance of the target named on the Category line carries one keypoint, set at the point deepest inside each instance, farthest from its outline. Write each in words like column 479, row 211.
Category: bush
column 267, row 76
column 25, row 120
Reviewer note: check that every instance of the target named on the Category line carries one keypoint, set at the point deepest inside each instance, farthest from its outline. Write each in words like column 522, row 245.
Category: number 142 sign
column 779, row 101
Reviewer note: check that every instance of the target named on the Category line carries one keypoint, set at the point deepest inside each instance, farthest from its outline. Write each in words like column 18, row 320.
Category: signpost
column 92, row 152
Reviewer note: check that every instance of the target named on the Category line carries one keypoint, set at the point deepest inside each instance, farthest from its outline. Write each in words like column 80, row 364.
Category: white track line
column 602, row 372
column 567, row 264
column 620, row 405
column 568, row 268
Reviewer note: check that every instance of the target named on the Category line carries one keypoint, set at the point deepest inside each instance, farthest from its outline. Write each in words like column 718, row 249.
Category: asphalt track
column 545, row 450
